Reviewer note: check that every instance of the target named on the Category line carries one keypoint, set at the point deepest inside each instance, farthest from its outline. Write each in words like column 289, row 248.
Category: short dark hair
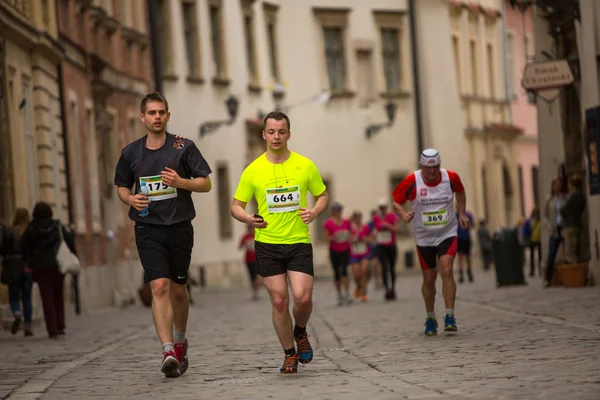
column 42, row 210
column 576, row 180
column 154, row 96
column 277, row 116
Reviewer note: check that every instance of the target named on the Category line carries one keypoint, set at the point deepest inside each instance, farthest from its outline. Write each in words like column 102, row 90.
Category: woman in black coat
column 39, row 246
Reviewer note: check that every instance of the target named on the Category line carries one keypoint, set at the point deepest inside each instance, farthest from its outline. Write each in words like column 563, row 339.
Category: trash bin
column 508, row 257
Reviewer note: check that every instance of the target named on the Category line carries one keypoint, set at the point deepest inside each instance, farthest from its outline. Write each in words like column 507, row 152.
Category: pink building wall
column 520, row 29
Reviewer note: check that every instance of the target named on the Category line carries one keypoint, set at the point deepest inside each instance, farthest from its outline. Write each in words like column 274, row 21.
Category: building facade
column 31, row 151
column 568, row 136
column 31, row 135
column 478, row 46
column 519, row 44
column 106, row 72
column 331, row 68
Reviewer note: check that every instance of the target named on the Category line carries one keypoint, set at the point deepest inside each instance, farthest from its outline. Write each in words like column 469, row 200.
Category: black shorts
column 428, row 255
column 464, row 246
column 165, row 250
column 277, row 259
column 339, row 262
column 252, row 269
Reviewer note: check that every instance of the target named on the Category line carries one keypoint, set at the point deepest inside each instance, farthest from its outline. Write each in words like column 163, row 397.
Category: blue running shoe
column 290, row 365
column 305, row 352
column 450, row 323
column 431, row 326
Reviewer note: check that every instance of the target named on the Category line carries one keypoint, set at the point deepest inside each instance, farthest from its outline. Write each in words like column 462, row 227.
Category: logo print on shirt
column 179, row 144
column 424, row 192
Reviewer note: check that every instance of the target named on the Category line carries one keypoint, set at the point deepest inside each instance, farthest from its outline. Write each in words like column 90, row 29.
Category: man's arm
column 461, row 202
column 238, row 211
column 138, row 201
column 198, row 185
column 320, row 205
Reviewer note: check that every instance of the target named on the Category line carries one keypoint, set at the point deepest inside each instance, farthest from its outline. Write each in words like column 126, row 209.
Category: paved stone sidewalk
column 518, row 342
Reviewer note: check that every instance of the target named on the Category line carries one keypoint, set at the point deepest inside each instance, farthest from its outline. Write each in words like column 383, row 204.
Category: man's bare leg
column 428, row 289
column 448, row 282
column 278, row 291
column 162, row 311
column 302, row 287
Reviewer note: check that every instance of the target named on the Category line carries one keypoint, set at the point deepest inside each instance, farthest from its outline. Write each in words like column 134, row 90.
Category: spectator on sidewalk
column 39, row 246
column 485, row 244
column 464, row 248
column 532, row 237
column 571, row 213
column 553, row 222
column 16, row 274
column 247, row 243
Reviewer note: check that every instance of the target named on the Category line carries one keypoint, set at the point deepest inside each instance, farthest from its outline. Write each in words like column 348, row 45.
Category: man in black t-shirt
column 164, row 169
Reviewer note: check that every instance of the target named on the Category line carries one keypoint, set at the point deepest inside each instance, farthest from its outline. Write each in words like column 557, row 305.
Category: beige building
column 564, row 138
column 478, row 47
column 333, row 67
column 32, row 167
column 31, row 138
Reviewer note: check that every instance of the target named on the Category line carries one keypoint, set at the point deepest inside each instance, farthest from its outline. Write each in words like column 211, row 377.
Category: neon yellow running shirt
column 280, row 191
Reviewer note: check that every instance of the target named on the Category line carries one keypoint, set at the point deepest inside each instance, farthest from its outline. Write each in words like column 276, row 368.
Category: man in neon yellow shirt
column 279, row 181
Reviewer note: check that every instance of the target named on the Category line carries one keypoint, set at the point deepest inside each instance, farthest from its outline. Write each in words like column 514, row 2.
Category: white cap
column 430, row 157
column 382, row 202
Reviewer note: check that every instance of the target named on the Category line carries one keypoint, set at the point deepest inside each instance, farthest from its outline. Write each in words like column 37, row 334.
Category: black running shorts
column 165, row 250
column 277, row 259
column 428, row 255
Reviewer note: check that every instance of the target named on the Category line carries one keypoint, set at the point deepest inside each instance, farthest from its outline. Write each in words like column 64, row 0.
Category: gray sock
column 167, row 347
column 178, row 337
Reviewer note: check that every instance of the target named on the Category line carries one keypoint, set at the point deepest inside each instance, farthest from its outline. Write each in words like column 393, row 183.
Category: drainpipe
column 507, row 88
column 415, row 70
column 63, row 113
column 154, row 43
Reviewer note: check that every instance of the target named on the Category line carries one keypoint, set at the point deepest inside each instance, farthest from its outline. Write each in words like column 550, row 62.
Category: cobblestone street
column 513, row 343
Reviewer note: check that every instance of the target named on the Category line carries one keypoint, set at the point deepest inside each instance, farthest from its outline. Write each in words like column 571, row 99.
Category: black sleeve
column 123, row 175
column 69, row 239
column 26, row 244
column 194, row 164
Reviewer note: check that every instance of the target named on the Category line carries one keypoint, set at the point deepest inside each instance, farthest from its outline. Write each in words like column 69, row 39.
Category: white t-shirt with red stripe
column 433, row 205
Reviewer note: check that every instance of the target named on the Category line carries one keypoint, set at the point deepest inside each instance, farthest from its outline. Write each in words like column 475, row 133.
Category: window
column 334, row 23
column 217, row 41
column 491, row 72
column 486, row 209
column 76, row 168
column 250, row 42
column 456, row 51
column 190, row 33
column 535, row 185
column 390, row 46
column 108, row 6
column 474, row 67
column 92, row 167
column 393, row 73
column 529, row 50
column 163, row 33
column 334, row 56
column 56, row 161
column 324, row 216
column 126, row 17
column 511, row 65
column 27, row 116
column 46, row 15
column 522, row 189
column 271, row 28
column 366, row 87
column 224, row 202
